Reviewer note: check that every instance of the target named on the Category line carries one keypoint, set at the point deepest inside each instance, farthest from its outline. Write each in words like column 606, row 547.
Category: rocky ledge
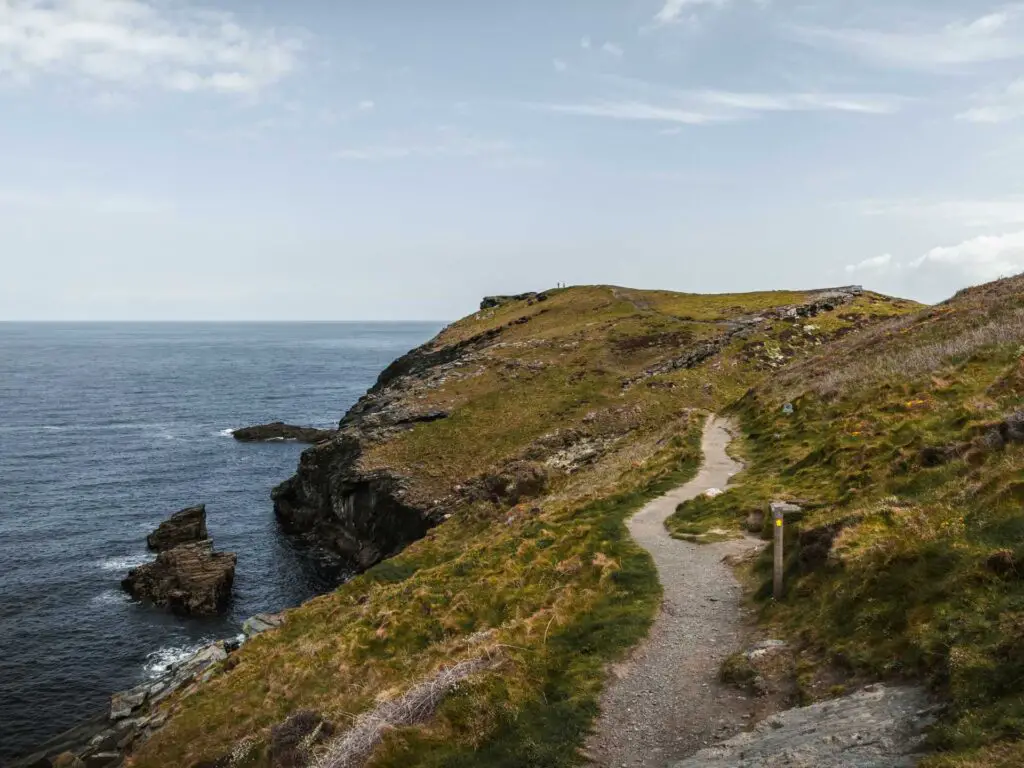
column 182, row 527
column 135, row 715
column 278, row 430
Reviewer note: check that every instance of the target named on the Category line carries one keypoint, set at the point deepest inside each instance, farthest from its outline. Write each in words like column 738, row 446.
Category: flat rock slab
column 877, row 727
column 666, row 701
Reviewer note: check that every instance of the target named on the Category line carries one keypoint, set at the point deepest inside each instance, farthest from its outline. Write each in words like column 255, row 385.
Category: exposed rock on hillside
column 278, row 430
column 875, row 727
column 180, row 528
column 188, row 579
column 364, row 510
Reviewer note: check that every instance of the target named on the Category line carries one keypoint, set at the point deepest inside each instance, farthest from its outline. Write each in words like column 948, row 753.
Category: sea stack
column 187, row 577
column 182, row 527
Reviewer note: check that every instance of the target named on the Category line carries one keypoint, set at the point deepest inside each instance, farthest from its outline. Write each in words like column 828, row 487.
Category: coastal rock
column 185, row 526
column 260, row 623
column 190, row 579
column 278, row 430
column 490, row 302
column 878, row 726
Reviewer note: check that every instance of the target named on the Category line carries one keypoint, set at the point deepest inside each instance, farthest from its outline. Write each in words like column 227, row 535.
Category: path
column 665, row 702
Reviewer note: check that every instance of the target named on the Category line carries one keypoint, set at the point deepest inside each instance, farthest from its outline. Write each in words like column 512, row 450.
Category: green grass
column 552, row 585
column 921, row 581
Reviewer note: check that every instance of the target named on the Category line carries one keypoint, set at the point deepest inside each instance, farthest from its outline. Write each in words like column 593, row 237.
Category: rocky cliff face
column 365, row 515
column 364, row 511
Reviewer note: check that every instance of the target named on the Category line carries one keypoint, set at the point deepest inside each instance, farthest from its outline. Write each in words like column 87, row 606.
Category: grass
column 552, row 585
column 905, row 564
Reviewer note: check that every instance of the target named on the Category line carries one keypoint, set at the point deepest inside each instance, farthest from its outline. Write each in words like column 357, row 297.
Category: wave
column 123, row 562
column 110, row 597
column 227, row 432
column 160, row 661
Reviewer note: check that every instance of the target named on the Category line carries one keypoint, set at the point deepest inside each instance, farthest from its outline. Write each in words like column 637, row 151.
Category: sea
column 107, row 429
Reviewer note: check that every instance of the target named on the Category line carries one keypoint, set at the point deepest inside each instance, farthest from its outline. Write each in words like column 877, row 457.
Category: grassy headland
column 597, row 396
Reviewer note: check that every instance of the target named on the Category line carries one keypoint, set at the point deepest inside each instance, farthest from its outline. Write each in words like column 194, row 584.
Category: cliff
column 482, row 484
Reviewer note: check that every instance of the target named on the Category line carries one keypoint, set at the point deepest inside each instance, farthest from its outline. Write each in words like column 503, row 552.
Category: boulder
column 261, row 622
column 278, row 430
column 187, row 525
column 189, row 579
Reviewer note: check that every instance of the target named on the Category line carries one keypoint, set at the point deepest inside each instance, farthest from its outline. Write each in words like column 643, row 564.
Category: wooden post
column 777, row 517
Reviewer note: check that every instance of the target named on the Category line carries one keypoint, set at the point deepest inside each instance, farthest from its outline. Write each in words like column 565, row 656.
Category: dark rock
column 490, row 302
column 292, row 740
column 278, row 430
column 517, row 481
column 74, row 740
column 1004, row 563
column 187, row 525
column 815, row 546
column 189, row 579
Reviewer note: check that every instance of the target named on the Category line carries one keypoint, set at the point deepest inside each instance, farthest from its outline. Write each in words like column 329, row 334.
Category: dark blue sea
column 105, row 430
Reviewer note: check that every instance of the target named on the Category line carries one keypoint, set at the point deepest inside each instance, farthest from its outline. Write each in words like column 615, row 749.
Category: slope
column 496, row 464
column 906, row 447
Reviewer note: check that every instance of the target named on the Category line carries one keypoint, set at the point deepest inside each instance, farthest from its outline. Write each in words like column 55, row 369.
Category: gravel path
column 665, row 702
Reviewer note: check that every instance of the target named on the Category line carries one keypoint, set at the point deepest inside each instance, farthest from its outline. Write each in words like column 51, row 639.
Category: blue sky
column 166, row 159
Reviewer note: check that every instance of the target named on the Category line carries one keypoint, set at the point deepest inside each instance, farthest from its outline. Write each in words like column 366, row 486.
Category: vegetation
column 905, row 445
column 603, row 389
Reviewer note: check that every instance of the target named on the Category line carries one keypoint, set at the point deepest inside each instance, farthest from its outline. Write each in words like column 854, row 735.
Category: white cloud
column 980, row 258
column 634, row 110
column 559, row 65
column 141, row 44
column 366, row 105
column 706, row 107
column 994, row 37
column 673, row 10
column 874, row 264
column 585, row 43
column 613, row 49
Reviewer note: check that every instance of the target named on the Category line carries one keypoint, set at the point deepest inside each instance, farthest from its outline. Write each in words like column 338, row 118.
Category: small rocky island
column 187, row 577
column 278, row 430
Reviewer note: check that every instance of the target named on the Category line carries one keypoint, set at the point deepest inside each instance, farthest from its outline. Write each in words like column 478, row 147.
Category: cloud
column 673, row 10
column 559, row 65
column 141, row 44
column 585, row 43
column 707, row 107
column 366, row 105
column 633, row 110
column 875, row 264
column 612, row 49
column 981, row 258
column 994, row 37
column 999, row 106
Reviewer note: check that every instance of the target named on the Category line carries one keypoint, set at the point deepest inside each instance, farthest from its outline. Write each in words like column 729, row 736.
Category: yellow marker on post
column 777, row 513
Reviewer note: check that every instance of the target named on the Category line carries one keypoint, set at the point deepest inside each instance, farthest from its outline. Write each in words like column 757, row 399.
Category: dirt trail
column 665, row 702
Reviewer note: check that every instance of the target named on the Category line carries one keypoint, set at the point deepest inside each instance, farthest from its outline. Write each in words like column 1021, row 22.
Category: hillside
column 906, row 449
column 500, row 459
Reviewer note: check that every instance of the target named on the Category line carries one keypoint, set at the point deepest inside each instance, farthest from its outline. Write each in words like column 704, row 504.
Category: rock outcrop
column 189, row 579
column 875, row 727
column 182, row 527
column 278, row 430
column 365, row 515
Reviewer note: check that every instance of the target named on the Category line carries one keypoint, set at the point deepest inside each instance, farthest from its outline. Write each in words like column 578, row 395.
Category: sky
column 398, row 159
